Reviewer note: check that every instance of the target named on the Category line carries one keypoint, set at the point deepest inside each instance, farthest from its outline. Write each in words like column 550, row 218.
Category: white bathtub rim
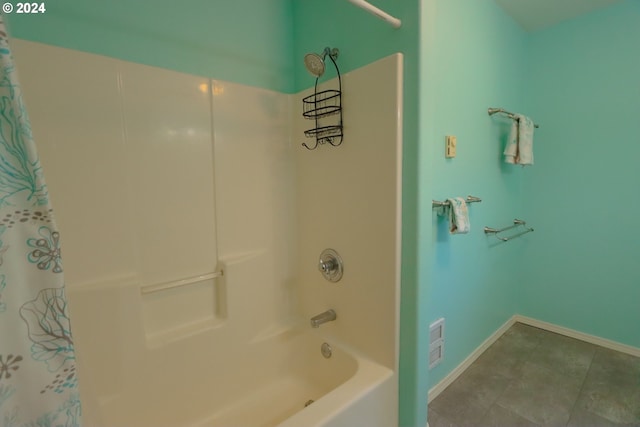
column 367, row 378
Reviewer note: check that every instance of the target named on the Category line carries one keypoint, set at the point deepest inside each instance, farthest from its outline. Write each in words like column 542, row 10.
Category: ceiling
column 533, row 15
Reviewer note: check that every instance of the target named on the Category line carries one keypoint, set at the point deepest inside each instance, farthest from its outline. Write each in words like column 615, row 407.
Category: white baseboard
column 453, row 375
column 622, row 348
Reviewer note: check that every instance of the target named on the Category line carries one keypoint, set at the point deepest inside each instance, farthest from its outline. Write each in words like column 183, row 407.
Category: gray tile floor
column 532, row 377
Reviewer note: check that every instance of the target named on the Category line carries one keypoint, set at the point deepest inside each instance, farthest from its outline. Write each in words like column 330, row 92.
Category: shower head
column 315, row 62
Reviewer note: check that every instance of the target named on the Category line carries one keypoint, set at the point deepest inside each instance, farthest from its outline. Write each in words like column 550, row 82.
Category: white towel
column 458, row 216
column 519, row 149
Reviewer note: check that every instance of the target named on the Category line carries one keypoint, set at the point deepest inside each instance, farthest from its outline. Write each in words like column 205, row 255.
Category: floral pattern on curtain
column 38, row 381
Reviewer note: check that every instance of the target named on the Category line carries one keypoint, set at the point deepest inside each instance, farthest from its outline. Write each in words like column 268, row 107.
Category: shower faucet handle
column 326, row 266
column 330, row 265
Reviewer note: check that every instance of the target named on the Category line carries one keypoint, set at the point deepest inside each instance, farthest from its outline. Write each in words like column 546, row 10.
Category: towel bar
column 469, row 199
column 512, row 116
column 516, row 223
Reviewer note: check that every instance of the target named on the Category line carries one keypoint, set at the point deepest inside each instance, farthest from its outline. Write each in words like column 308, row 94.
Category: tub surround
column 159, row 179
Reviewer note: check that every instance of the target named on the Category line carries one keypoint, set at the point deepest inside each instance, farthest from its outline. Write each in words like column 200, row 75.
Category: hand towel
column 458, row 216
column 511, row 149
column 519, row 149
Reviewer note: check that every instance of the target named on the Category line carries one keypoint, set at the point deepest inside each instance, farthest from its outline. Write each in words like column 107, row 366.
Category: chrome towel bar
column 516, row 223
column 469, row 199
column 512, row 116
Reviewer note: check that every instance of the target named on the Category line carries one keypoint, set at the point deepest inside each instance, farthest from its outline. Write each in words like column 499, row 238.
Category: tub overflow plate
column 326, row 350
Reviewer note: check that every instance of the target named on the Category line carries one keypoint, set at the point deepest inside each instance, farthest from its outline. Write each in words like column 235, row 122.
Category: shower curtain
column 38, row 381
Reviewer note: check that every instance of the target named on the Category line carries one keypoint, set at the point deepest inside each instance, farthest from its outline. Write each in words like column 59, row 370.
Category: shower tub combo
column 213, row 175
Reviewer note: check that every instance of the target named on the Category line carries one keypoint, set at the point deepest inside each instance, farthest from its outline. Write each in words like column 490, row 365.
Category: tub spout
column 321, row 318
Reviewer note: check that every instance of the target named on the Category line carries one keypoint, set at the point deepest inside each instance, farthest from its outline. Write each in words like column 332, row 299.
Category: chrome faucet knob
column 330, row 265
column 326, row 266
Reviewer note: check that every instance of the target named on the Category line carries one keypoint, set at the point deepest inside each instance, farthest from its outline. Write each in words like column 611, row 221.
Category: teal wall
column 243, row 41
column 579, row 80
column 361, row 37
column 477, row 61
column 581, row 268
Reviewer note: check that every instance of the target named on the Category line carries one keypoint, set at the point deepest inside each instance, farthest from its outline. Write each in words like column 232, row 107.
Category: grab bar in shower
column 469, row 199
column 512, row 116
column 149, row 289
column 516, row 223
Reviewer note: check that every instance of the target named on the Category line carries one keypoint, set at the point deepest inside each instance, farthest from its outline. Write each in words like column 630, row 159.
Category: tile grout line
column 584, row 380
column 524, row 360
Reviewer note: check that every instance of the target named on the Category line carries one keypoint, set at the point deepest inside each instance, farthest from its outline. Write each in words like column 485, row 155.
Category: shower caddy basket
column 323, row 104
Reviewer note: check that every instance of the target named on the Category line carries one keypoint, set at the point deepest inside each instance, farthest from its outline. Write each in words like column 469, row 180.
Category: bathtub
column 308, row 390
column 263, row 382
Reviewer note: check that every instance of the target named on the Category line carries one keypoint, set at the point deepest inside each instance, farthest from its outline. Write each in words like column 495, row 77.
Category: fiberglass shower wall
column 143, row 198
column 349, row 199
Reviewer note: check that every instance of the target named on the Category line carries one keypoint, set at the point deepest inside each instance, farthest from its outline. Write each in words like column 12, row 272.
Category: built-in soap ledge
column 282, row 329
column 241, row 257
column 149, row 289
column 179, row 334
column 173, row 311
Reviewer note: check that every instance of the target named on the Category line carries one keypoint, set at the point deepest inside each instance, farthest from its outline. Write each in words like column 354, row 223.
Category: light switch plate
column 450, row 146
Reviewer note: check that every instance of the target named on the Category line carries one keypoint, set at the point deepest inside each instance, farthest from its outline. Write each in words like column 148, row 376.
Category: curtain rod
column 395, row 22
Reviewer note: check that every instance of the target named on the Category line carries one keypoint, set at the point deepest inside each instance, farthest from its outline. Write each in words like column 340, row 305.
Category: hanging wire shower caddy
column 324, row 103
